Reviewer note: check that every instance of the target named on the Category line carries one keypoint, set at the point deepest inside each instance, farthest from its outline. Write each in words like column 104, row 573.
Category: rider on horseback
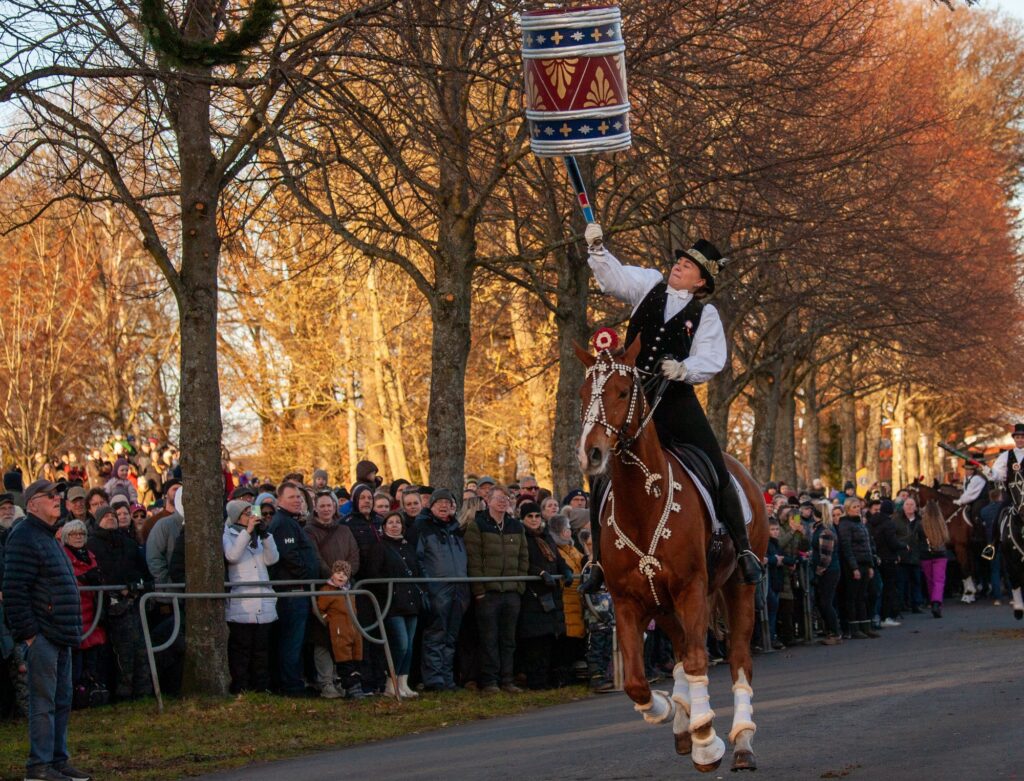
column 683, row 337
column 975, row 494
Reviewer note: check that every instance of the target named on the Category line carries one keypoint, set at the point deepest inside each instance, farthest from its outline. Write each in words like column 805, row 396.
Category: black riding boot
column 731, row 516
column 595, row 577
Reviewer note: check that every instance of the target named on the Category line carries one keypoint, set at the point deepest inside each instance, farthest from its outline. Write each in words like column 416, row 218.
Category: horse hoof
column 744, row 760
column 1018, row 614
column 684, row 744
column 708, row 768
column 708, row 757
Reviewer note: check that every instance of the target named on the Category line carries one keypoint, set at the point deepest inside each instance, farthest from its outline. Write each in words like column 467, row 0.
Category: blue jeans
column 772, row 599
column 292, row 614
column 401, row 630
column 997, row 573
column 49, row 701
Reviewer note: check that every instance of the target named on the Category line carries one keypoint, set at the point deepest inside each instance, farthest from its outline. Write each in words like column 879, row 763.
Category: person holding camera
column 249, row 550
column 120, row 562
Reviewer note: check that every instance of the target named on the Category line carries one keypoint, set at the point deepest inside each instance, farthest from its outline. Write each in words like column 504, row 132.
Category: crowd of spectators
column 839, row 566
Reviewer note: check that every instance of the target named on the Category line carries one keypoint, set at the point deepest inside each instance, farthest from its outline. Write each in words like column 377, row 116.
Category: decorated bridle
column 604, row 341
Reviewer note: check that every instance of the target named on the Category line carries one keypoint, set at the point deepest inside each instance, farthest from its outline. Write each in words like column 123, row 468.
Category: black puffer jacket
column 397, row 559
column 855, row 543
column 885, row 538
column 39, row 586
column 534, row 619
column 118, row 558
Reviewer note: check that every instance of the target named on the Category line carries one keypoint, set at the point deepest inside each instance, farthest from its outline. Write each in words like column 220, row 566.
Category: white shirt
column 632, row 283
column 973, row 489
column 999, row 467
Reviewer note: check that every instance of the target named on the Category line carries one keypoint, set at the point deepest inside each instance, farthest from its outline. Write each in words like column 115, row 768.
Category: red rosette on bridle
column 604, row 339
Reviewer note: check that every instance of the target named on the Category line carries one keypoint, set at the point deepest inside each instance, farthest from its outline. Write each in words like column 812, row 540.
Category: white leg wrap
column 680, row 687
column 700, row 702
column 743, row 710
column 968, row 596
column 1018, row 600
column 709, row 750
column 658, row 710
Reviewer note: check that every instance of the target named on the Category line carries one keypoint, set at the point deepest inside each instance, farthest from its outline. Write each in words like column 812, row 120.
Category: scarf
column 826, row 546
column 542, row 543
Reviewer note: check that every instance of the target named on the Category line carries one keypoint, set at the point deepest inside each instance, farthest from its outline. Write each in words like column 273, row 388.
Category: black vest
column 659, row 338
column 1014, row 480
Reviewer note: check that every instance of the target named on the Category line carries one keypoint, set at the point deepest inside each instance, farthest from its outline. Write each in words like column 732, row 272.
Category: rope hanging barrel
column 575, row 68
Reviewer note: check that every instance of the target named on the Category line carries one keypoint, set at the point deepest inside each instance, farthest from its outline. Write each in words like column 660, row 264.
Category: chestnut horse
column 655, row 535
column 965, row 538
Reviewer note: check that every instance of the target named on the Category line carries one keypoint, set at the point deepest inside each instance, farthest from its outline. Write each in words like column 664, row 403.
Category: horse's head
column 613, row 404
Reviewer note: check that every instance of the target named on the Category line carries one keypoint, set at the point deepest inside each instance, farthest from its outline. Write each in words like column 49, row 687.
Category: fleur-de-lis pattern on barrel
column 575, row 68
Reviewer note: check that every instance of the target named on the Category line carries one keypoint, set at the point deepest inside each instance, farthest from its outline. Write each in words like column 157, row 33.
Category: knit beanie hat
column 528, row 507
column 102, row 511
column 264, row 498
column 235, row 509
column 12, row 481
column 118, row 464
column 320, row 473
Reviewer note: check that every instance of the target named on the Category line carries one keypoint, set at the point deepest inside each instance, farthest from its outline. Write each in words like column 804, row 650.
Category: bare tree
column 160, row 111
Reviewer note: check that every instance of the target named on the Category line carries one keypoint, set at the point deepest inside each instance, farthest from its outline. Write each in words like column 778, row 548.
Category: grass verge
column 203, row 735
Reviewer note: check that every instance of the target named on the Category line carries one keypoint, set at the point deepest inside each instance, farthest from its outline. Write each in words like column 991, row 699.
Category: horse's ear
column 633, row 351
column 586, row 358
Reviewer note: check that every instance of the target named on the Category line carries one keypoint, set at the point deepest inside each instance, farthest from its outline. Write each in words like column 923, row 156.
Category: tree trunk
column 873, row 437
column 899, row 463
column 206, row 638
column 449, row 353
column 784, row 458
column 717, row 410
column 848, row 429
column 572, row 324
column 387, row 401
column 812, row 429
column 538, row 455
column 765, row 404
column 910, row 443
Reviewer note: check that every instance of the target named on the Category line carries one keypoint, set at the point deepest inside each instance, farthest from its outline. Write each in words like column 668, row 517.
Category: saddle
column 699, row 466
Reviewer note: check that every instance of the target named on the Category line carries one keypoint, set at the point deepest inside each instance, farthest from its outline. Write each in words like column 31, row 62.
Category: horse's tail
column 934, row 525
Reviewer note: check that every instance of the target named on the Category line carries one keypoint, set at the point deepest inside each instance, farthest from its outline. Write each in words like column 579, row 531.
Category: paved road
column 933, row 699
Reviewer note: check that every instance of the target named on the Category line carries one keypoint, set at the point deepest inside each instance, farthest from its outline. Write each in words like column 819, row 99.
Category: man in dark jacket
column 299, row 561
column 890, row 550
column 441, row 553
column 44, row 613
column 908, row 530
column 496, row 547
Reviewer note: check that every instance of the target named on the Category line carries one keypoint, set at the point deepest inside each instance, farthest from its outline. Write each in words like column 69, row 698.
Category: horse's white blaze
column 581, row 452
column 743, row 713
column 658, row 709
column 700, row 703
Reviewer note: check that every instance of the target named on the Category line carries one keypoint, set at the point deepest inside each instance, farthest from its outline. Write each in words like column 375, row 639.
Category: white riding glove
column 958, row 503
column 673, row 370
column 593, row 235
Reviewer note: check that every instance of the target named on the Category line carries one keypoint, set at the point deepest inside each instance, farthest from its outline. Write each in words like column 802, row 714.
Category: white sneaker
column 330, row 692
column 890, row 622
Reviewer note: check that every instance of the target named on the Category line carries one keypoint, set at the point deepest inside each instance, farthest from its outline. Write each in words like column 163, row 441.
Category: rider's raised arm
column 626, row 283
column 707, row 353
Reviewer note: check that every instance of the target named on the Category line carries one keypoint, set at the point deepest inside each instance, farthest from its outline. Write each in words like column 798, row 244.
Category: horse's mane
column 948, row 490
column 934, row 525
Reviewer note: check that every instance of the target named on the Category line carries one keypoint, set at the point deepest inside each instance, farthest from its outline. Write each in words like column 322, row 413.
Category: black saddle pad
column 697, row 462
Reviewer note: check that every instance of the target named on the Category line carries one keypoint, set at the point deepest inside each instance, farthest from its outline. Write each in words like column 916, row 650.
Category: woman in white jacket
column 249, row 550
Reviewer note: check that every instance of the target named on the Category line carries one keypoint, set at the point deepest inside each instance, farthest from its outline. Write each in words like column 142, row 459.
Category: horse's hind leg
column 680, row 687
column 630, row 621
column 692, row 610
column 1018, row 603
column 740, row 599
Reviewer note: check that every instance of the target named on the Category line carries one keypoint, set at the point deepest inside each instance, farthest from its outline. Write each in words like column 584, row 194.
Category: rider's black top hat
column 1018, row 428
column 706, row 255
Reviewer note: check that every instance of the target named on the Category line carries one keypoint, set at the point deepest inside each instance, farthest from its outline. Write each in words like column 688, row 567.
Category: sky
column 1013, row 7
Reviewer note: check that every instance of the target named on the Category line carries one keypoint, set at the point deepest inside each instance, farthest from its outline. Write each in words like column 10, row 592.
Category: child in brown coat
column 346, row 641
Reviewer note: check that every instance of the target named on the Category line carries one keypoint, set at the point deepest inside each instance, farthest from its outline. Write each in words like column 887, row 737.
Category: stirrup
column 594, row 580
column 989, row 552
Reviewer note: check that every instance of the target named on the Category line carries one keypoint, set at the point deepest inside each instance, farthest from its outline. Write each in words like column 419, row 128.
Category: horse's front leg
column 740, row 601
column 630, row 621
column 692, row 610
column 672, row 627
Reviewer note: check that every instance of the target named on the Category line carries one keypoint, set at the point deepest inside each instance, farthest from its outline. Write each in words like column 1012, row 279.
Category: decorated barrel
column 575, row 68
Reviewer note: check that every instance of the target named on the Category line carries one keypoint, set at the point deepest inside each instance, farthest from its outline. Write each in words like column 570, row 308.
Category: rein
column 596, row 415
